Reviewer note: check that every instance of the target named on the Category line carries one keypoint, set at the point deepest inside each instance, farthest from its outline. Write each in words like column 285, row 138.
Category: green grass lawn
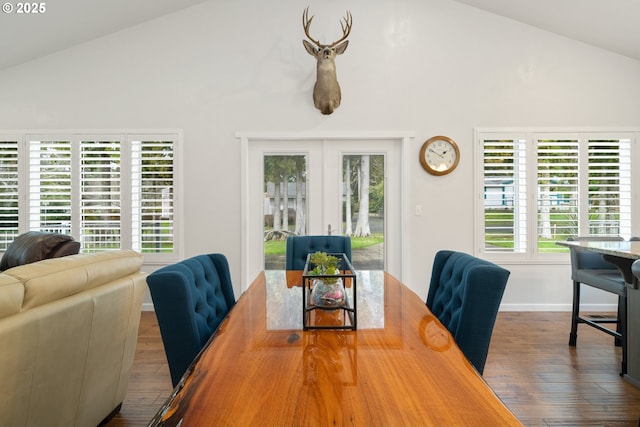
column 278, row 247
column 544, row 245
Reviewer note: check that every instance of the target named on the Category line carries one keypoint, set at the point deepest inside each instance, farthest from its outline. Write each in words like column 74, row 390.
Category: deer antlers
column 346, row 27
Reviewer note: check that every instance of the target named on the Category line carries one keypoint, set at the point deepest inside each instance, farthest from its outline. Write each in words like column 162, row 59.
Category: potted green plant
column 328, row 292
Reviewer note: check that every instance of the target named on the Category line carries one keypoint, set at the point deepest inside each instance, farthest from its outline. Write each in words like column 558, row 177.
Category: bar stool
column 590, row 269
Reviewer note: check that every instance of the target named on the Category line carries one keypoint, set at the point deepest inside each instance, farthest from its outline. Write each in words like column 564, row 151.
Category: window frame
column 125, row 137
column 531, row 135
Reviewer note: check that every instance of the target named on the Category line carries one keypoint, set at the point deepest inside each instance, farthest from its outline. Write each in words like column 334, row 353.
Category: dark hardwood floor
column 530, row 366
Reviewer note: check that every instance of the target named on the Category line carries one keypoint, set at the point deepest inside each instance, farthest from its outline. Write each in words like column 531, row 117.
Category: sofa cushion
column 11, row 295
column 52, row 279
column 35, row 246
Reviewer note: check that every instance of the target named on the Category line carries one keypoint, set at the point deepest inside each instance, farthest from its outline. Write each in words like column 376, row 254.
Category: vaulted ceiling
column 608, row 24
column 67, row 23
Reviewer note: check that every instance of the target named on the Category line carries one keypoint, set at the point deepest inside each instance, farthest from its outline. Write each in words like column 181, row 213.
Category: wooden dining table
column 401, row 367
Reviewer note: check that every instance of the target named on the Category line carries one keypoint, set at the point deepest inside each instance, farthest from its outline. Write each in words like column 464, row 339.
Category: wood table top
column 400, row 367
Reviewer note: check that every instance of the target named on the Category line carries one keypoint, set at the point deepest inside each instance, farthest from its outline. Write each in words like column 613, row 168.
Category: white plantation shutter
column 580, row 184
column 557, row 185
column 50, row 186
column 100, row 195
column 609, row 186
column 584, row 187
column 8, row 191
column 505, row 186
column 152, row 195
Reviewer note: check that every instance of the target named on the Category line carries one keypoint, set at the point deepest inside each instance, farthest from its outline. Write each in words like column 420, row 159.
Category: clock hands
column 436, row 153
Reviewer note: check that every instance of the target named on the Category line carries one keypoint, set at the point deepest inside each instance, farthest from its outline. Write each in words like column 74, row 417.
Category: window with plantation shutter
column 557, row 195
column 541, row 187
column 609, row 186
column 110, row 191
column 505, row 185
column 49, row 185
column 153, row 165
column 100, row 195
column 8, row 190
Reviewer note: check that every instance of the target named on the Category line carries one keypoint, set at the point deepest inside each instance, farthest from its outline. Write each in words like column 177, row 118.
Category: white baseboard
column 559, row 307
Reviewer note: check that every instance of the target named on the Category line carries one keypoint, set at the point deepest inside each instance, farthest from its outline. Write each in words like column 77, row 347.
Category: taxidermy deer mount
column 326, row 92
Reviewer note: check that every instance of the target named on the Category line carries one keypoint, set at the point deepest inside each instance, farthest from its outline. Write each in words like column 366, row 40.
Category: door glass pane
column 363, row 209
column 284, row 206
column 362, row 205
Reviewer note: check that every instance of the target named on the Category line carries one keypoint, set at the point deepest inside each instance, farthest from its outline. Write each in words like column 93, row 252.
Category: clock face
column 439, row 155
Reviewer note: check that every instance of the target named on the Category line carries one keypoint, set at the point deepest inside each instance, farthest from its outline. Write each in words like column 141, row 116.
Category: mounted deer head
column 326, row 92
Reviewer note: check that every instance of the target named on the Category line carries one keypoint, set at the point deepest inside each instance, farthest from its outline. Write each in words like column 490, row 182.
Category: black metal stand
column 349, row 318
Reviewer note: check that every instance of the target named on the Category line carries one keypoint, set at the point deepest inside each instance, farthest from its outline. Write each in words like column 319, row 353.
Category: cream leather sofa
column 68, row 332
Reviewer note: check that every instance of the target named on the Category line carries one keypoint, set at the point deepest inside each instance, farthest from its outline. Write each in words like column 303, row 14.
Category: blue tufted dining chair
column 465, row 294
column 191, row 298
column 298, row 247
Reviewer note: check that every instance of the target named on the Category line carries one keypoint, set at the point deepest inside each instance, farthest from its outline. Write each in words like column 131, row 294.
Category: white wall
column 427, row 66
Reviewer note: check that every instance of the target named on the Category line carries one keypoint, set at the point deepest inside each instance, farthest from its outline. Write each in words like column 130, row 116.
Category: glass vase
column 328, row 293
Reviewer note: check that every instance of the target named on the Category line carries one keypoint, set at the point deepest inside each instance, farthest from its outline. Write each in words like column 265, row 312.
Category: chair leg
column 622, row 309
column 575, row 312
column 619, row 326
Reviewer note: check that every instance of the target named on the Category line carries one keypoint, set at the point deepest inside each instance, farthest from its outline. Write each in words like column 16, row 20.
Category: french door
column 308, row 186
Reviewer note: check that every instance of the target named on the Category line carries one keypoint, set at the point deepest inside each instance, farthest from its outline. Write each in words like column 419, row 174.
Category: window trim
column 23, row 136
column 531, row 256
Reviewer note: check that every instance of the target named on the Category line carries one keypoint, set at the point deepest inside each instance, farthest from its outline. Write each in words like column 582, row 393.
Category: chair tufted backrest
column 191, row 298
column 583, row 260
column 298, row 247
column 465, row 294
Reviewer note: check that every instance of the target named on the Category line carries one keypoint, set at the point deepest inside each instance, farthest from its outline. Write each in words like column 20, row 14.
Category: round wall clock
column 439, row 155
